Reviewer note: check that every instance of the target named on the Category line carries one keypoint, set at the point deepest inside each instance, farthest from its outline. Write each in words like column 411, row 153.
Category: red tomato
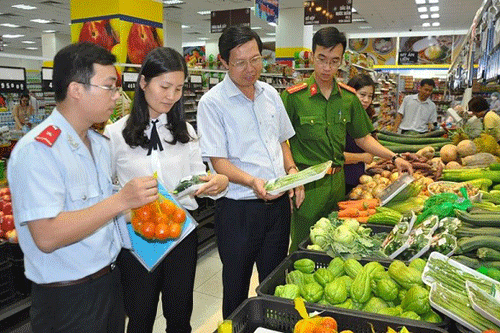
column 7, row 208
column 4, row 191
column 8, row 223
column 148, row 230
column 2, row 233
column 6, row 198
column 179, row 216
column 174, row 230
column 161, row 231
column 11, row 236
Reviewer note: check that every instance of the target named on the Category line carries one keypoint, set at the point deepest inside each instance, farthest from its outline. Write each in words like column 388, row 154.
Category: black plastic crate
column 15, row 251
column 278, row 277
column 376, row 229
column 4, row 252
column 21, row 283
column 280, row 315
column 7, row 290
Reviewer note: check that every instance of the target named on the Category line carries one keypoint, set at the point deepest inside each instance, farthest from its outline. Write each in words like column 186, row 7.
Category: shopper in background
column 22, row 112
column 155, row 137
column 355, row 157
column 417, row 113
column 482, row 119
column 323, row 111
column 495, row 102
column 243, row 130
column 33, row 101
column 64, row 207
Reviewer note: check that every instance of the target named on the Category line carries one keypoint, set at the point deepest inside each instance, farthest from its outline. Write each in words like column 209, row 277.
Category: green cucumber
column 436, row 133
column 411, row 141
column 480, row 220
column 488, row 254
column 476, row 242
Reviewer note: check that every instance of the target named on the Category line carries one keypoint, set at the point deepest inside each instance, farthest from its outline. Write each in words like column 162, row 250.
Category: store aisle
column 207, row 311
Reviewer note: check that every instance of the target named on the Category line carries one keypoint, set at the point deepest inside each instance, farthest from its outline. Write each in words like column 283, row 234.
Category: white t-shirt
column 417, row 114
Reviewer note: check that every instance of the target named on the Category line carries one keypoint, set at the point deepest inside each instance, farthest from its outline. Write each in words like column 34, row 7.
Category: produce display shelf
column 278, row 277
column 15, row 308
column 280, row 315
column 376, row 228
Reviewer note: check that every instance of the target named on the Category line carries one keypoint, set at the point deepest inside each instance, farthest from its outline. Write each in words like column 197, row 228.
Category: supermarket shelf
column 190, row 69
column 15, row 308
column 363, row 68
column 304, row 69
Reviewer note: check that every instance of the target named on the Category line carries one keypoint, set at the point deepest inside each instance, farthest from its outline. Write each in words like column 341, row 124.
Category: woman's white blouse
column 172, row 164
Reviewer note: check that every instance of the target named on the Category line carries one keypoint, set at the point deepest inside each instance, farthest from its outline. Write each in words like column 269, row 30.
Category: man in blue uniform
column 64, row 208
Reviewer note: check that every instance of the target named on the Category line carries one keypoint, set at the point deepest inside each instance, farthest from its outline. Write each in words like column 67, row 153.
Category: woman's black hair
column 362, row 80
column 159, row 61
column 478, row 104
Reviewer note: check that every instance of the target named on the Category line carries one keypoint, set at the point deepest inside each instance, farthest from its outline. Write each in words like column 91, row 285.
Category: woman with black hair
column 355, row 157
column 155, row 137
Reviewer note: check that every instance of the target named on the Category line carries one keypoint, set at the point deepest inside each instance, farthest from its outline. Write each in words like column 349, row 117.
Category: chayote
column 347, row 281
column 418, row 264
column 394, row 311
column 304, row 265
column 361, row 287
column 309, row 278
column 386, row 289
column 410, row 315
column 405, row 276
column 312, row 292
column 295, row 277
column 352, row 267
column 348, row 304
column 336, row 266
column 323, row 276
column 374, row 305
column 336, row 292
column 290, row 291
column 374, row 267
column 416, row 300
column 431, row 317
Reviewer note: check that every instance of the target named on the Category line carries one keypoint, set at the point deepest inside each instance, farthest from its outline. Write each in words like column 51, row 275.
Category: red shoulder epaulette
column 346, row 87
column 49, row 135
column 297, row 87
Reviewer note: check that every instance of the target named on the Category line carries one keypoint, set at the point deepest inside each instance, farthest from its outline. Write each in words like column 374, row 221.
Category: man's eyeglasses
column 328, row 63
column 254, row 62
column 112, row 89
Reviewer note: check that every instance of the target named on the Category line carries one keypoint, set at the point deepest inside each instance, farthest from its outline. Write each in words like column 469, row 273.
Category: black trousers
column 174, row 277
column 95, row 306
column 248, row 232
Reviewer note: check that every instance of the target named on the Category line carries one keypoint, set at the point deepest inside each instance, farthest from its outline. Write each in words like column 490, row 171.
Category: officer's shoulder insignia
column 346, row 87
column 49, row 135
column 297, row 87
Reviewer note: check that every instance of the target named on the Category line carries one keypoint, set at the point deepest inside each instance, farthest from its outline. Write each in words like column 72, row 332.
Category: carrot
column 349, row 212
column 363, row 213
column 362, row 204
column 371, row 211
column 362, row 219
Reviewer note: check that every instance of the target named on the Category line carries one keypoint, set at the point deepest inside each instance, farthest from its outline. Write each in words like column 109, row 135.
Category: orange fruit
column 179, row 216
column 137, row 224
column 144, row 213
column 161, row 231
column 167, row 207
column 148, row 230
column 174, row 230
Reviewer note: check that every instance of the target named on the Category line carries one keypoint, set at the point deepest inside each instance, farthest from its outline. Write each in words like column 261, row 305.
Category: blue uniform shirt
column 248, row 133
column 46, row 181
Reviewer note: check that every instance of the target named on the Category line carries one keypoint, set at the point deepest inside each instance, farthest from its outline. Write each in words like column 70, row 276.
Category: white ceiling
column 384, row 16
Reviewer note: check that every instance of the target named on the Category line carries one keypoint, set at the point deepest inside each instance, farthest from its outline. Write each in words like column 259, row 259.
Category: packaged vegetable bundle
column 161, row 219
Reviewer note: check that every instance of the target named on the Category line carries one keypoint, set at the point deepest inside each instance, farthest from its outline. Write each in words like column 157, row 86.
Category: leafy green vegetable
column 187, row 183
column 295, row 177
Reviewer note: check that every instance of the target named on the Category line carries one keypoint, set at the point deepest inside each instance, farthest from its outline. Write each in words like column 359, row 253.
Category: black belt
column 268, row 202
column 88, row 278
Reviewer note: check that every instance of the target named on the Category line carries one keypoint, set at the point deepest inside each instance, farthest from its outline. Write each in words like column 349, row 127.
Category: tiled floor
column 207, row 311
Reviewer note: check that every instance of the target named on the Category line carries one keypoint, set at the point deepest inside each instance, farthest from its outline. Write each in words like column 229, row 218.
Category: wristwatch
column 393, row 159
column 292, row 167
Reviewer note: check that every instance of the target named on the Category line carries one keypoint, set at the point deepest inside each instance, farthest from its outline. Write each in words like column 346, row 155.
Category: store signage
column 196, row 79
column 408, row 57
column 12, row 80
column 220, row 19
column 47, row 79
column 267, row 10
column 129, row 81
column 327, row 12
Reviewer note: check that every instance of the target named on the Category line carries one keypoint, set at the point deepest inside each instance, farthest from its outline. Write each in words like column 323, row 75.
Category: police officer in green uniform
column 322, row 111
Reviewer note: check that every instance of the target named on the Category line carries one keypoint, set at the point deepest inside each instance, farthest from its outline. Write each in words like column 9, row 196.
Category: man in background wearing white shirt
column 417, row 113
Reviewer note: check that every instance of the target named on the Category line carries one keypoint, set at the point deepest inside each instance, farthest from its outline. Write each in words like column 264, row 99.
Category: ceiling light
column 10, row 25
column 23, row 6
column 426, row 24
column 436, row 24
column 49, row 31
column 272, row 24
column 358, row 20
column 12, row 36
column 420, row 2
column 435, row 15
column 319, row 8
column 204, row 12
column 203, row 38
column 354, row 10
column 271, row 34
column 424, row 16
column 433, row 1
column 183, row 26
column 434, row 8
column 256, row 28
column 365, row 27
column 172, row 2
column 422, row 9
column 28, row 42
column 252, row 9
column 41, row 21
column 32, row 48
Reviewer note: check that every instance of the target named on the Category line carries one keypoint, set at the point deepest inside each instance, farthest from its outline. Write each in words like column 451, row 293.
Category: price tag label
column 129, row 81
column 47, row 79
column 441, row 241
column 418, row 232
column 196, row 79
column 12, row 79
column 214, row 80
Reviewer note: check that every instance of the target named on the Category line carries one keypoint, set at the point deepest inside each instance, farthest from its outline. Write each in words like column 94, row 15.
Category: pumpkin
column 466, row 148
column 448, row 153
